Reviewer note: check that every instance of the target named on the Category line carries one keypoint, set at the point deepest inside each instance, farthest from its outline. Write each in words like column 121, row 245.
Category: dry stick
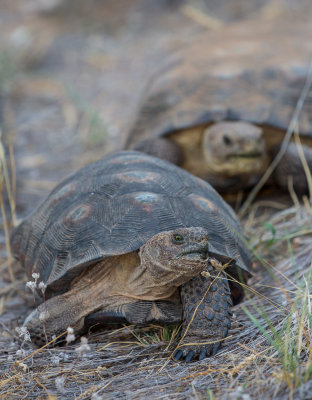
column 125, row 342
column 262, row 296
column 7, row 237
column 280, row 154
column 41, row 348
column 5, row 181
column 5, row 175
column 292, row 193
column 43, row 387
column 262, row 285
column 304, row 162
column 13, row 183
column 96, row 389
column 203, row 19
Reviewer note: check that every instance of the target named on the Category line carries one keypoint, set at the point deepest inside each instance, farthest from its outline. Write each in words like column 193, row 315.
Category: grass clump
column 91, row 127
column 155, row 334
column 290, row 341
column 288, row 330
column 9, row 68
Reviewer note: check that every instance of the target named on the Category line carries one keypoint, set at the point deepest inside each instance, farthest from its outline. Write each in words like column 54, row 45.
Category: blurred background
column 73, row 73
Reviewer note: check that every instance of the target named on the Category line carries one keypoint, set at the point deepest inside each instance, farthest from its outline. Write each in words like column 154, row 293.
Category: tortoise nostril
column 202, row 239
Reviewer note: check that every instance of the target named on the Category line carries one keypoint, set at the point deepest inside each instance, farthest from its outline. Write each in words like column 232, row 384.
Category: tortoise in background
column 221, row 107
column 125, row 240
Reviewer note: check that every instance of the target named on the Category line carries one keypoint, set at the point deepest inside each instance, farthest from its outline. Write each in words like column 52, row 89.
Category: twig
column 7, row 236
column 304, row 162
column 13, row 181
column 201, row 18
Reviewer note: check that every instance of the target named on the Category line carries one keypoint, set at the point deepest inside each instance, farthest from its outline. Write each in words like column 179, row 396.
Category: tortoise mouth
column 193, row 252
column 196, row 256
column 246, row 155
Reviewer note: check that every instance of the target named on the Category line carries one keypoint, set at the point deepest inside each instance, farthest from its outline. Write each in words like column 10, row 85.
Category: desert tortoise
column 125, row 240
column 221, row 106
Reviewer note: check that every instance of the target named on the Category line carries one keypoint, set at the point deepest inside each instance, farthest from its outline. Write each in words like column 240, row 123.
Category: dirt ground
column 72, row 76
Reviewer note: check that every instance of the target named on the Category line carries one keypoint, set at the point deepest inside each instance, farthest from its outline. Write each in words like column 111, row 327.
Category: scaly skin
column 114, row 290
column 206, row 302
column 290, row 168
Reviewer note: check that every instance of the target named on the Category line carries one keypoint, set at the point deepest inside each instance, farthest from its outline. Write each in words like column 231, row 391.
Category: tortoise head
column 234, row 147
column 173, row 257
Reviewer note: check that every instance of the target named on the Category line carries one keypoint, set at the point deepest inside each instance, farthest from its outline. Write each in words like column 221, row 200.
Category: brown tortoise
column 125, row 240
column 221, row 107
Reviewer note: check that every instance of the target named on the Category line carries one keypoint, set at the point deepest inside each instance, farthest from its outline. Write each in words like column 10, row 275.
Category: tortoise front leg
column 291, row 166
column 206, row 304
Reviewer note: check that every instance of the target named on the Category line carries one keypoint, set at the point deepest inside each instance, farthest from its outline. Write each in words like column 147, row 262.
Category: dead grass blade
column 290, row 130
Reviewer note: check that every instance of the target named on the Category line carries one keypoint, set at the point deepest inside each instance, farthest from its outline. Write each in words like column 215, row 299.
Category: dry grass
column 7, row 184
column 292, row 127
column 268, row 350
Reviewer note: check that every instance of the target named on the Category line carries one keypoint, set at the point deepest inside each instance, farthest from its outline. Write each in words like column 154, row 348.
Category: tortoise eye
column 227, row 140
column 178, row 238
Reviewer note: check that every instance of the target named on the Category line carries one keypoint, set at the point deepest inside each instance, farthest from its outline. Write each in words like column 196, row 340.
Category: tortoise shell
column 113, row 207
column 252, row 71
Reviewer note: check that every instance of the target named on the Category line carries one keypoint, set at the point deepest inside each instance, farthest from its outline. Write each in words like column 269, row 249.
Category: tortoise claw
column 202, row 354
column 189, row 356
column 215, row 348
column 178, row 354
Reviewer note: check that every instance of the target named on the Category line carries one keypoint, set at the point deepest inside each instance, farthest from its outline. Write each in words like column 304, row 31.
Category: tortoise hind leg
column 207, row 316
column 54, row 316
column 58, row 313
column 162, row 148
